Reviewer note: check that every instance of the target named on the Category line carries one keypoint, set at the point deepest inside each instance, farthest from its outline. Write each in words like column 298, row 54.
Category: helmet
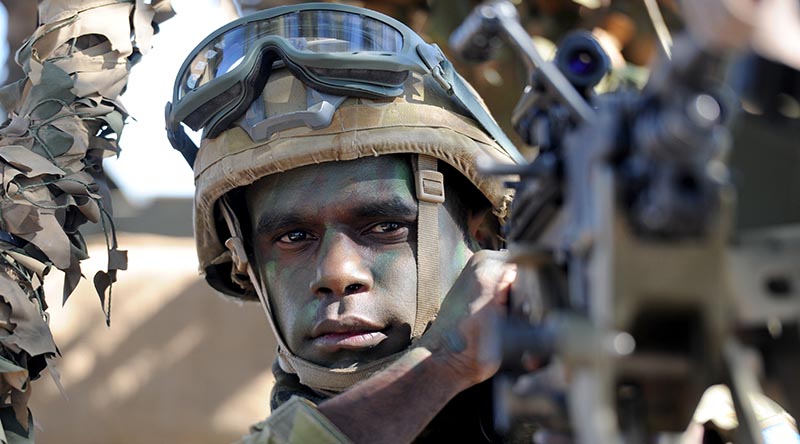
column 306, row 118
column 422, row 121
column 300, row 85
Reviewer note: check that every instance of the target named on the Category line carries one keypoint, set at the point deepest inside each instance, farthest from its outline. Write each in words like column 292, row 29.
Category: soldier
column 337, row 184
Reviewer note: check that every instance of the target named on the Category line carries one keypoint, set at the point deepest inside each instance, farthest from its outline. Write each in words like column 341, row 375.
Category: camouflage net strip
column 63, row 118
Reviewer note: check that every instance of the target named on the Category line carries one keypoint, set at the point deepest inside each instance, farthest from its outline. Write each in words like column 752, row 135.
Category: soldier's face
column 336, row 245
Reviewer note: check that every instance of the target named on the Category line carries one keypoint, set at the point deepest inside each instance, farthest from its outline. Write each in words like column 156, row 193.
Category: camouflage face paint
column 336, row 245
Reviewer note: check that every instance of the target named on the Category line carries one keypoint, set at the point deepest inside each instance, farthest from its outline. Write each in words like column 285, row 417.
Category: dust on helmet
column 305, row 84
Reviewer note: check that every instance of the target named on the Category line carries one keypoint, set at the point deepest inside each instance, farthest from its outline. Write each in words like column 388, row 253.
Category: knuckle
column 488, row 258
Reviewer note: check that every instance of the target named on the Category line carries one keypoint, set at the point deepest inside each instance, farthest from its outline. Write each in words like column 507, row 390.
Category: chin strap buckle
column 430, row 186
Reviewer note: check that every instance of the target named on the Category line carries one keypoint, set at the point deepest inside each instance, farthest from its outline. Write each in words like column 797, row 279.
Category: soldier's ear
column 482, row 229
column 240, row 262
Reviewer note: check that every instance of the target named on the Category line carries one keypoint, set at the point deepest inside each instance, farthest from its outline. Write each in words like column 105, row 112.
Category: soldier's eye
column 295, row 236
column 387, row 227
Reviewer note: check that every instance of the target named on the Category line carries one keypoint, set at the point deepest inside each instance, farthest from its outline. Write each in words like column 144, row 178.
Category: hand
column 465, row 334
column 459, row 350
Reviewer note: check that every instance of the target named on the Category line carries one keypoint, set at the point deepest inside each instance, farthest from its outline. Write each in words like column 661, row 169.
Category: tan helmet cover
column 422, row 121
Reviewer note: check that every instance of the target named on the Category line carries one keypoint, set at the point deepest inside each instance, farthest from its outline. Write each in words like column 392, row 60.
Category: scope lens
column 581, row 62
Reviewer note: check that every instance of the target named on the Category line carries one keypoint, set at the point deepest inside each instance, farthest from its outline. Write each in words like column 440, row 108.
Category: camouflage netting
column 62, row 119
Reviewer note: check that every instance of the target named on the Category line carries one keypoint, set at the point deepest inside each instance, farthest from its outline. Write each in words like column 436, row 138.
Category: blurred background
column 179, row 364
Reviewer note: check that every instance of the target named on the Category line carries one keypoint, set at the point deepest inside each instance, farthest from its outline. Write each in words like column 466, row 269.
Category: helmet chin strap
column 430, row 192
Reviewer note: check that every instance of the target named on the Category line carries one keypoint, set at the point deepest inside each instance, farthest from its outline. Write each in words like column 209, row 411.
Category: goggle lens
column 311, row 31
column 335, row 49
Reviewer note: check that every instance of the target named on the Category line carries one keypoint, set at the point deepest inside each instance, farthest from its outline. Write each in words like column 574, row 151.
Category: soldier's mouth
column 350, row 340
column 347, row 333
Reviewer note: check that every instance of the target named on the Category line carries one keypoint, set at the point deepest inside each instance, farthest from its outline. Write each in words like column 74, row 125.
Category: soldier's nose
column 340, row 269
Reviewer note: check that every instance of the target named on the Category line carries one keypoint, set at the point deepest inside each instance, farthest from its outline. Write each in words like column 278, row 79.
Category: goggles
column 337, row 50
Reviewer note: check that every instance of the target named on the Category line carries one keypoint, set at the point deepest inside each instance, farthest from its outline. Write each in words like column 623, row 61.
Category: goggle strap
column 462, row 92
column 445, row 75
column 435, row 60
column 430, row 193
column 179, row 140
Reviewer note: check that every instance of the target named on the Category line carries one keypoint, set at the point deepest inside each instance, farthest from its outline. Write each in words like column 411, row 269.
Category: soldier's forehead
column 325, row 182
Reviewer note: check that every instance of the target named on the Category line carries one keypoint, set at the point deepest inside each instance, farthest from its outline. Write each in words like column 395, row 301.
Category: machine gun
column 634, row 293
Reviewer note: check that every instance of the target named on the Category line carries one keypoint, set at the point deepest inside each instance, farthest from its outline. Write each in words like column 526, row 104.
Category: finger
column 503, row 288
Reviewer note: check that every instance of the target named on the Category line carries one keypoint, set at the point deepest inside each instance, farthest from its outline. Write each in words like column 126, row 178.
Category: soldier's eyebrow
column 270, row 222
column 395, row 207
